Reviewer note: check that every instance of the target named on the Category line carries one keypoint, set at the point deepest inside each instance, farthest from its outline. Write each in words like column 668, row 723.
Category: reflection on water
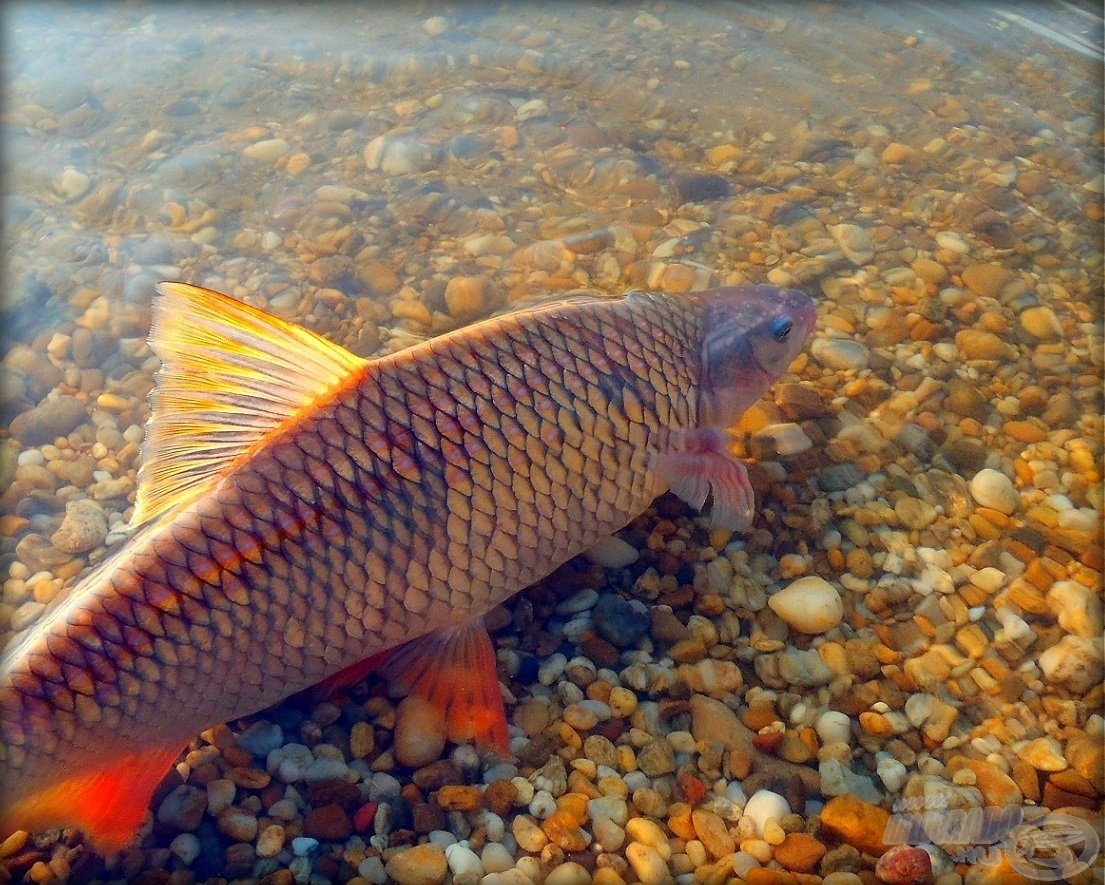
column 931, row 173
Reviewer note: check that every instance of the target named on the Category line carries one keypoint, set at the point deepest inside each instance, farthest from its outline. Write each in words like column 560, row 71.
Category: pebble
column 620, row 621
column 713, row 833
column 975, row 344
column 860, row 824
column 854, row 243
column 495, row 858
column 1041, row 323
column 270, row 841
column 53, row 417
column 304, row 846
column 569, row 873
column 463, row 861
column 268, row 150
column 765, row 805
column 833, row 727
column 613, row 552
column 186, row 847
column 905, row 865
column 419, row 733
column 799, row 852
column 647, row 864
column 72, row 184
column 656, row 758
column 810, row 605
column 1073, row 663
column 183, row 808
column 840, row 353
column 328, row 823
column 423, row 864
column 84, row 527
column 528, row 833
column 986, row 280
column 261, row 738
column 992, row 488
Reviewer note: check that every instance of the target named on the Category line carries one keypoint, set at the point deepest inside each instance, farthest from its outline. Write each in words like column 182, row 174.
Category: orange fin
column 106, row 801
column 699, row 464
column 230, row 374
column 453, row 670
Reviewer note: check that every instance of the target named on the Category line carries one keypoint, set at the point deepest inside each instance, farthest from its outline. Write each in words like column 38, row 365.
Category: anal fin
column 453, row 670
column 107, row 801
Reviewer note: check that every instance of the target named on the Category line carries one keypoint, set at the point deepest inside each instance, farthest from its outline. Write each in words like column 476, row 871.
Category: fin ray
column 453, row 670
column 107, row 802
column 230, row 374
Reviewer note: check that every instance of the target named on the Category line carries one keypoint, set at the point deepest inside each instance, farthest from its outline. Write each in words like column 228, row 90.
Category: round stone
column 992, row 488
column 810, row 605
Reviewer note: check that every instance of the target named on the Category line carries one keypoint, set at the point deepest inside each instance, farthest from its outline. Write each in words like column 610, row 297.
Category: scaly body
column 410, row 497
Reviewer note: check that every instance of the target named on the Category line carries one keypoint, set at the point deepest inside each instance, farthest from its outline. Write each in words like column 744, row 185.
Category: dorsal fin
column 230, row 374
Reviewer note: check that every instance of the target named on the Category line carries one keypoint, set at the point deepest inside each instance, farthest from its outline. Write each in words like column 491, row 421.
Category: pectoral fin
column 699, row 465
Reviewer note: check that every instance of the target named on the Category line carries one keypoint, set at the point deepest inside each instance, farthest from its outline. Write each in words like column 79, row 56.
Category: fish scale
column 436, row 481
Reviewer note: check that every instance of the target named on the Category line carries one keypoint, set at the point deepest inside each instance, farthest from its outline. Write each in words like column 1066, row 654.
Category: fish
column 303, row 514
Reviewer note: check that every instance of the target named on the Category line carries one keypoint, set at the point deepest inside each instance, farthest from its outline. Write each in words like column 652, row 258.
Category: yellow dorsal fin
column 230, row 374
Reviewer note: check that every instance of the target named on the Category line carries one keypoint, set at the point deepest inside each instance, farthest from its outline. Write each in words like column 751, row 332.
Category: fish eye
column 780, row 328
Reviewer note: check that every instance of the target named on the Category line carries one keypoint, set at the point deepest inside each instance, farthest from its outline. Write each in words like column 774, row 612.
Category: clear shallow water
column 931, row 174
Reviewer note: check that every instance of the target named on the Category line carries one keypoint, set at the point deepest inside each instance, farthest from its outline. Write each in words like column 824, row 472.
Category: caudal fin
column 106, row 800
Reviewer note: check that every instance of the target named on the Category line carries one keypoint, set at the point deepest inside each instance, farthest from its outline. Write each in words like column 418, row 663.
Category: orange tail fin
column 107, row 801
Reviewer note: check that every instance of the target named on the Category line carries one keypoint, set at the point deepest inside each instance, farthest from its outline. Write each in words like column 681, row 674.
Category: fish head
column 751, row 335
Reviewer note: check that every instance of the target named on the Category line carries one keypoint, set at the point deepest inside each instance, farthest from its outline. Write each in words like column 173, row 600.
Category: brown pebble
column 856, row 822
column 986, row 279
column 1033, row 182
column 1025, row 431
column 437, row 774
column 51, row 418
column 328, row 822
column 333, row 791
column 799, row 852
column 978, row 345
column 500, row 796
column 458, row 797
column 427, row 817
column 598, row 649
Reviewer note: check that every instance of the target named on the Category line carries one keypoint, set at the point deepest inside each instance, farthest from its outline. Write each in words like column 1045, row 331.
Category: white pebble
column 992, row 488
column 495, row 858
column 613, row 552
column 269, row 150
column 810, row 605
column 304, row 846
column 947, row 239
column 551, row 669
column 890, row 771
column 840, row 353
column 542, row 804
column 435, row 25
column 786, row 439
column 463, row 860
column 764, row 806
column 185, row 846
column 580, row 601
column 1074, row 661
